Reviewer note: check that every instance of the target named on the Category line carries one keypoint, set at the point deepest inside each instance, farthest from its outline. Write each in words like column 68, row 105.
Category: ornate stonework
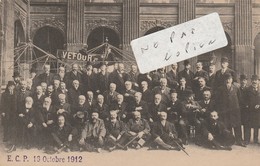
column 56, row 22
column 103, row 22
column 256, row 28
column 149, row 24
column 228, row 26
column 20, row 15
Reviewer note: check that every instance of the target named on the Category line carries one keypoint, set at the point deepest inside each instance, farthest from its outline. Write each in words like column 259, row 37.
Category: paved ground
column 239, row 156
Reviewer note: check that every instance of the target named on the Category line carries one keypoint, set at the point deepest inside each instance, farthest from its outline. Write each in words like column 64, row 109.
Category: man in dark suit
column 74, row 74
column 165, row 134
column 9, row 115
column 220, row 74
column 147, row 94
column 102, row 79
column 215, row 135
column 187, row 73
column 140, row 106
column 116, row 132
column 207, row 104
column 200, row 89
column 63, row 135
column 38, row 98
column 172, row 76
column 89, row 80
column 47, row 76
column 163, row 90
column 243, row 103
column 121, row 107
column 228, row 97
column 133, row 75
column 60, row 75
column 182, row 89
column 156, row 107
column 200, row 73
column 119, row 77
column 212, row 75
column 63, row 108
column 46, row 119
column 101, row 108
column 138, row 127
column 111, row 94
column 73, row 94
column 254, row 106
column 129, row 93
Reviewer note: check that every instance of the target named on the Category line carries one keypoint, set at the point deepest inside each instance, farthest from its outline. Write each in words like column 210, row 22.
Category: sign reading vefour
column 70, row 55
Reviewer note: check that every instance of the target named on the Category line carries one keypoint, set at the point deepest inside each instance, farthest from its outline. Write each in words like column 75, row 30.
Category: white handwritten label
column 179, row 42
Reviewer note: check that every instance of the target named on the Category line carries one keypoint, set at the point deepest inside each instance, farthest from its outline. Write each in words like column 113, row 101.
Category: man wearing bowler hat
column 227, row 98
column 220, row 74
column 254, row 106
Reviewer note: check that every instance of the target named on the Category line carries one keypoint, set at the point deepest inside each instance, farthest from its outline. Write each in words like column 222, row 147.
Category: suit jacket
column 172, row 78
column 175, row 112
column 38, row 102
column 188, row 112
column 116, row 128
column 94, row 130
column 147, row 96
column 44, row 78
column 102, row 110
column 217, row 130
column 102, row 82
column 73, row 96
column 202, row 73
column 211, row 83
column 64, row 132
column 20, row 100
column 154, row 109
column 108, row 98
column 89, row 82
column 43, row 116
column 114, row 77
column 141, row 125
column 129, row 99
column 183, row 93
column 8, row 105
column 253, row 100
column 228, row 105
column 165, row 94
column 188, row 76
column 158, row 130
column 29, row 117
column 59, row 77
column 70, row 77
column 123, row 109
column 220, row 78
column 211, row 106
column 199, row 93
column 144, row 111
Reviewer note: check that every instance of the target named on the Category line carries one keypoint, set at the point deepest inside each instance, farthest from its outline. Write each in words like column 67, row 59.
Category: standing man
column 187, row 73
column 47, row 76
column 220, row 74
column 74, row 74
column 254, row 106
column 228, row 97
column 172, row 76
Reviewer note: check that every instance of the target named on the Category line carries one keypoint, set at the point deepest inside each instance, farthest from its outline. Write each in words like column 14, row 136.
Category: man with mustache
column 215, row 134
column 92, row 136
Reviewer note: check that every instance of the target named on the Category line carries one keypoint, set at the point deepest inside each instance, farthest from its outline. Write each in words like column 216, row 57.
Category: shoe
column 246, row 142
column 110, row 149
column 240, row 143
column 174, row 148
column 256, row 142
column 67, row 150
column 125, row 148
column 11, row 149
column 185, row 142
column 138, row 147
column 61, row 149
column 98, row 150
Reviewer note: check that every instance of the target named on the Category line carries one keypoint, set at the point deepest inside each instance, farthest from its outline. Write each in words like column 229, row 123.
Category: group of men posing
column 90, row 109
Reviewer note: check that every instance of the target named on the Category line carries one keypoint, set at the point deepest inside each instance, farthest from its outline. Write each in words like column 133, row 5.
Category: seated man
column 63, row 107
column 63, row 135
column 139, row 130
column 116, row 132
column 215, row 134
column 28, row 119
column 92, row 136
column 165, row 135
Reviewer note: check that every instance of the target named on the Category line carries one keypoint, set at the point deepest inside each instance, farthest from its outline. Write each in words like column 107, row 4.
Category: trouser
column 29, row 136
column 166, row 142
column 44, row 137
column 225, row 139
column 121, row 142
column 92, row 143
column 247, row 133
column 237, row 133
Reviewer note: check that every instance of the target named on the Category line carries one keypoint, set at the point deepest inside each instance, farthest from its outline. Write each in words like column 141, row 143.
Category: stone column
column 187, row 11
column 7, row 58
column 75, row 25
column 130, row 22
column 244, row 58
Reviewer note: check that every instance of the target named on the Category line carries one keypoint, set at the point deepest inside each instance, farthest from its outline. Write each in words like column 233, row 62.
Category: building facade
column 75, row 24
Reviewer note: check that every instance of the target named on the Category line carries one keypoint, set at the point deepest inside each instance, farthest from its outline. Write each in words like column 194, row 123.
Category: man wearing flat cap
column 220, row 74
column 227, row 99
column 254, row 106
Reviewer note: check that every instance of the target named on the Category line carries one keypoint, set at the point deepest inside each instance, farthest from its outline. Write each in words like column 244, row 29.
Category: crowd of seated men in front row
column 82, row 110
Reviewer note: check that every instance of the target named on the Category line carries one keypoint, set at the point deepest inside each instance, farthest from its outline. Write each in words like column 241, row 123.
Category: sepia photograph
column 129, row 82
